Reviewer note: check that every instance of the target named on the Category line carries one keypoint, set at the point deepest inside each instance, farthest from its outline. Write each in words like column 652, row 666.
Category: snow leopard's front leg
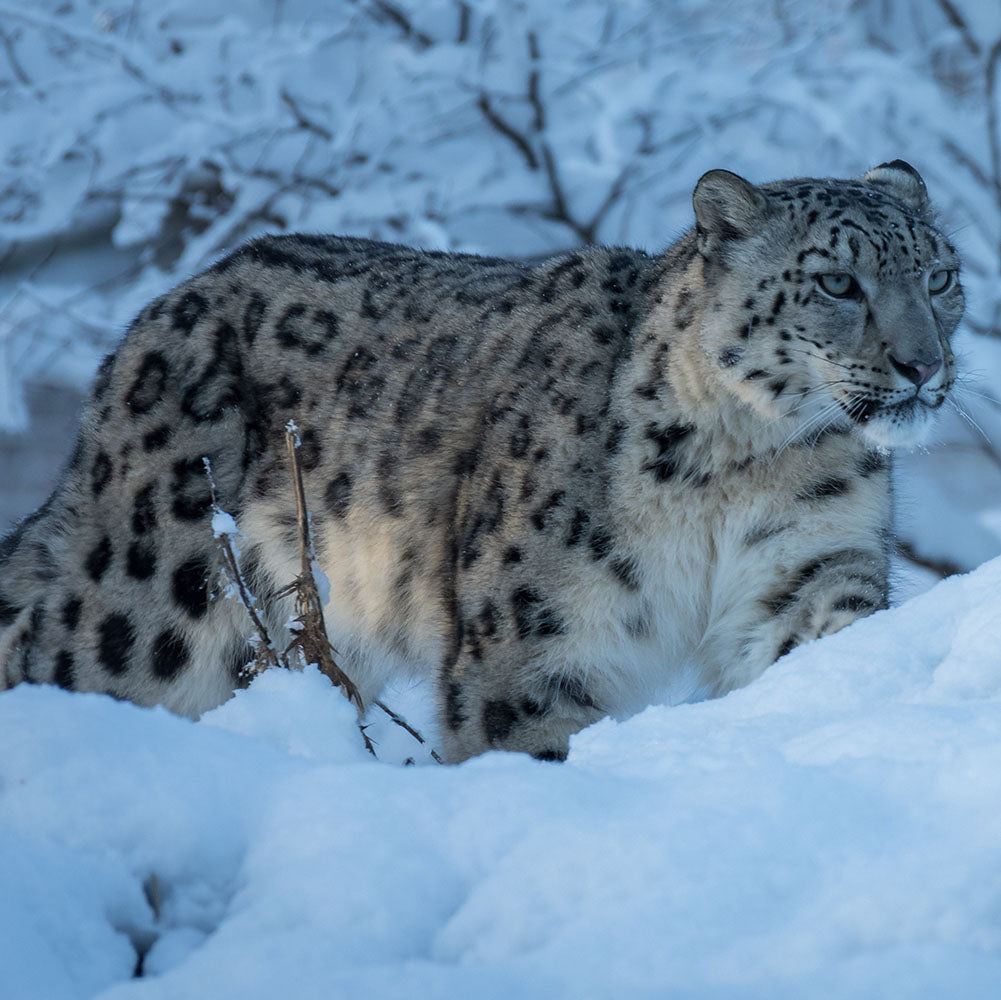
column 503, row 684
column 513, row 705
column 822, row 595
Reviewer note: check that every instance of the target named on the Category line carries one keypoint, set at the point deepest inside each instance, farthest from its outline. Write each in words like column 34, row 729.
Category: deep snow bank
column 834, row 830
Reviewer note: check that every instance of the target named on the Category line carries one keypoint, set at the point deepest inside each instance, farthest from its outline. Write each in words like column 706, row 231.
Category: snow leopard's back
column 419, row 381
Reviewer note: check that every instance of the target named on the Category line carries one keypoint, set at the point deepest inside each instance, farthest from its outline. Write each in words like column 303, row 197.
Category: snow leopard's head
column 831, row 302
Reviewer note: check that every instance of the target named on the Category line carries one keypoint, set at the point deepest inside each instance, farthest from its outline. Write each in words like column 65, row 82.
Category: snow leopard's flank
column 563, row 490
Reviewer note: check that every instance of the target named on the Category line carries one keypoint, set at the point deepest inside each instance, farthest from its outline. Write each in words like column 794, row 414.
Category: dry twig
column 403, row 724
column 265, row 654
column 310, row 643
column 312, row 639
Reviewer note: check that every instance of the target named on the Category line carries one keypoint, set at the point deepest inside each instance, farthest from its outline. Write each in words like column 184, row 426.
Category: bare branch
column 614, row 194
column 560, row 212
column 313, row 638
column 369, row 745
column 302, row 119
column 390, row 12
column 105, row 44
column 169, row 97
column 153, row 894
column 465, row 19
column 265, row 654
column 586, row 232
column 955, row 18
column 993, row 130
column 509, row 132
column 534, row 98
column 15, row 63
column 559, row 209
column 965, row 160
column 403, row 724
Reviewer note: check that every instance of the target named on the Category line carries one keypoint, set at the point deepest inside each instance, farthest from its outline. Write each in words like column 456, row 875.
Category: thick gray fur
column 563, row 490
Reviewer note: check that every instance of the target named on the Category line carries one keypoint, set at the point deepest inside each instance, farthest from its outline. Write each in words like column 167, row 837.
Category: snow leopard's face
column 837, row 300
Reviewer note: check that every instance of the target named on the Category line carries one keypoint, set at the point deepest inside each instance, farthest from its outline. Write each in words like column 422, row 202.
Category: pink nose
column 916, row 371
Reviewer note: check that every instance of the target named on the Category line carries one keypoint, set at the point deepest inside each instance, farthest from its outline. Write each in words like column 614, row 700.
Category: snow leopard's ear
column 727, row 208
column 899, row 179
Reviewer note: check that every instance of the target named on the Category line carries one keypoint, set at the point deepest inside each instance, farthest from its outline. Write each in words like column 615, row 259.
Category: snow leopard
column 562, row 490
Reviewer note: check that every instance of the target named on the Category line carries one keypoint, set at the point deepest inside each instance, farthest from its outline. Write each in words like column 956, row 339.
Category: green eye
column 939, row 281
column 841, row 286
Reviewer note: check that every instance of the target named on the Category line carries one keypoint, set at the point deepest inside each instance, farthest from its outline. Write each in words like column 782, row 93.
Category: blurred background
column 140, row 140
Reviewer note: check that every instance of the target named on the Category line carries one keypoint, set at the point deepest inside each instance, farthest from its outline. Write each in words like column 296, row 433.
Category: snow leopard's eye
column 841, row 286
column 939, row 281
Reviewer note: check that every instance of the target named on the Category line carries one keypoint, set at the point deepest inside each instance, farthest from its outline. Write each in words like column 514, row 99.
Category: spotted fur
column 563, row 490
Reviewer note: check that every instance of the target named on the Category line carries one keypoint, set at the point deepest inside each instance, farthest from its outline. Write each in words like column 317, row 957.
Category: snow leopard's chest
column 704, row 547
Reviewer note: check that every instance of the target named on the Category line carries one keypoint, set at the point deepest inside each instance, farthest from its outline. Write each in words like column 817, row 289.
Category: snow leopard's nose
column 915, row 370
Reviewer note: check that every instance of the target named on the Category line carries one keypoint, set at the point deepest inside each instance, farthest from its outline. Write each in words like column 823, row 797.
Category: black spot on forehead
column 835, row 197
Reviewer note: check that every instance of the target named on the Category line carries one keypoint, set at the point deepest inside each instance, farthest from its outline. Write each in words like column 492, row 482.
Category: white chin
column 895, row 432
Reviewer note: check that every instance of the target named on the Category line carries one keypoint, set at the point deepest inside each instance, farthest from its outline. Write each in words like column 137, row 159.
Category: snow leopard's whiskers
column 818, row 357
column 819, row 422
column 962, row 386
column 970, row 421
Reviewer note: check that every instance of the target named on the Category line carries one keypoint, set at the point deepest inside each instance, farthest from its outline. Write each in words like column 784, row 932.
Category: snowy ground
column 833, row 830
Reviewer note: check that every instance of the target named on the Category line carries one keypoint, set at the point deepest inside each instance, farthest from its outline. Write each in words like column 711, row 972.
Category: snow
column 223, row 524
column 830, row 831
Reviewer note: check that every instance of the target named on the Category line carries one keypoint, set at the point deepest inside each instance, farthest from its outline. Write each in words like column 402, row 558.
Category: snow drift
column 832, row 830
